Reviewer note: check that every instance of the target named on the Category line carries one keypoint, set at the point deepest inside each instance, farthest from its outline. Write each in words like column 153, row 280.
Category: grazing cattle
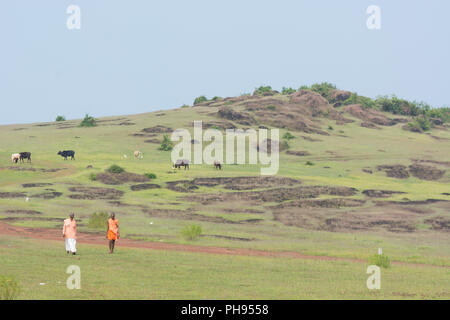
column 137, row 154
column 67, row 153
column 217, row 165
column 15, row 157
column 181, row 163
column 25, row 155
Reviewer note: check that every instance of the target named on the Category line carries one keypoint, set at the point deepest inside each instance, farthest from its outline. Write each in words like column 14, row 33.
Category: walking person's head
column 113, row 215
column 71, row 216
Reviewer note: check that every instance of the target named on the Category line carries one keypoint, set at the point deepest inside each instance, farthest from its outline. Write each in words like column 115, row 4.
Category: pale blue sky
column 140, row 56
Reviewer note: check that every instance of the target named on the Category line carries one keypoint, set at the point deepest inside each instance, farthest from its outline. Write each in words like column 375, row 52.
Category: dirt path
column 99, row 239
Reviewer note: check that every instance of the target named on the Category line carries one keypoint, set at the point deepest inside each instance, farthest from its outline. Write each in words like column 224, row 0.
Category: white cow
column 137, row 154
column 15, row 157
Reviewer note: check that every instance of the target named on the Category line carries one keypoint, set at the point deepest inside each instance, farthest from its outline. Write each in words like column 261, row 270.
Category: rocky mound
column 369, row 115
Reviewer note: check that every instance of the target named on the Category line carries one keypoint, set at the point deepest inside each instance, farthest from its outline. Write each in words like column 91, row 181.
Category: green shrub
column 420, row 124
column 271, row 107
column 60, row 118
column 9, row 288
column 93, row 177
column 324, row 89
column 216, row 98
column 166, row 144
column 380, row 260
column 150, row 175
column 330, row 128
column 98, row 220
column 309, row 163
column 304, row 87
column 115, row 169
column 288, row 136
column 191, row 232
column 263, row 91
column 287, row 91
column 88, row 121
column 185, row 106
column 200, row 100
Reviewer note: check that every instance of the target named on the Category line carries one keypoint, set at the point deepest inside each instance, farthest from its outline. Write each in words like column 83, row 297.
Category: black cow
column 181, row 163
column 25, row 155
column 217, row 165
column 67, row 153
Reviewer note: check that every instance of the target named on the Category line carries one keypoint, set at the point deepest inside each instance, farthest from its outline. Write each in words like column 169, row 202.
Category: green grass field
column 338, row 158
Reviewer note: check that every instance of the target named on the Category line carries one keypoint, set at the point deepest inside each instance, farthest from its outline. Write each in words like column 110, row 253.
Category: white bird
column 151, row 222
column 27, row 199
column 125, row 156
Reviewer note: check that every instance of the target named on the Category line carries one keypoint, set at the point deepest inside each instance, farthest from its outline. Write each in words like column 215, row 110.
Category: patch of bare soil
column 322, row 203
column 298, row 153
column 426, row 172
column 408, row 202
column 22, row 212
column 19, row 168
column 12, row 219
column 188, row 215
column 369, row 125
column 380, row 193
column 36, row 185
column 366, row 170
column 181, row 186
column 5, row 195
column 244, row 118
column 439, row 223
column 271, row 195
column 157, row 129
column 94, row 193
column 144, row 186
column 234, row 183
column 120, row 178
column 441, row 163
column 310, row 139
column 226, row 237
column 369, row 115
column 335, row 221
column 48, row 195
column 231, row 210
column 395, row 171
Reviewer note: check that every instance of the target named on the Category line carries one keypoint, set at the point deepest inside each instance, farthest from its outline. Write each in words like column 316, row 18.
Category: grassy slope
column 175, row 275
column 106, row 144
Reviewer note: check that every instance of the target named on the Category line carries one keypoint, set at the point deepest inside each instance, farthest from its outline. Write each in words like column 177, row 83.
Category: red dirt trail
column 98, row 239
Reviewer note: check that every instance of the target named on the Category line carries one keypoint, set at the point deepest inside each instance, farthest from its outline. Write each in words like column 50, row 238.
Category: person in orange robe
column 70, row 234
column 112, row 233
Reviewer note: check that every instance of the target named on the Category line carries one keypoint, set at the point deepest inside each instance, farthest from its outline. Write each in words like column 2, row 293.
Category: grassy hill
column 352, row 179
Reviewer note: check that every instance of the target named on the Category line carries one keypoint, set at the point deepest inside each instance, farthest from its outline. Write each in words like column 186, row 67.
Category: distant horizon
column 138, row 57
column 81, row 116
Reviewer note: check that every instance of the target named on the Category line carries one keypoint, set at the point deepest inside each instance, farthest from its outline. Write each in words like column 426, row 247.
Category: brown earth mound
column 34, row 169
column 48, row 195
column 120, row 178
column 298, row 153
column 12, row 194
column 22, row 212
column 369, row 115
column 426, row 172
column 322, row 203
column 369, row 125
column 340, row 95
column 155, row 141
column 36, row 185
column 157, row 129
column 271, row 195
column 439, row 223
column 236, row 183
column 188, row 215
column 395, row 171
column 336, row 221
column 144, row 186
column 380, row 193
column 237, row 116
column 94, row 193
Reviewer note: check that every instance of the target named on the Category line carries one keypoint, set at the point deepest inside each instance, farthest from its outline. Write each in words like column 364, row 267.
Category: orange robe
column 113, row 229
column 70, row 229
